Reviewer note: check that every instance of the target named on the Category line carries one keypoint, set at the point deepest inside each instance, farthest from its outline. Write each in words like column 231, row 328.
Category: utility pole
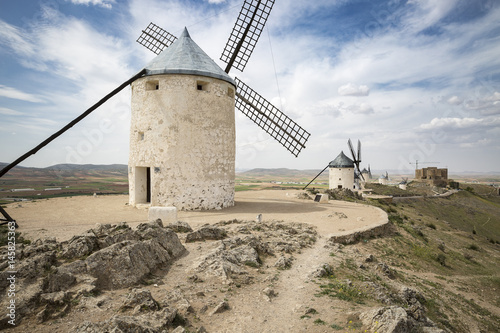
column 416, row 163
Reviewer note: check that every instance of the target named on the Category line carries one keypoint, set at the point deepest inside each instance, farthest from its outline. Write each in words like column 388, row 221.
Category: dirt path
column 281, row 313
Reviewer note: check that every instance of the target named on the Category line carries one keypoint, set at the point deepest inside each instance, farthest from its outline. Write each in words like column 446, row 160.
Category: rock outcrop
column 51, row 274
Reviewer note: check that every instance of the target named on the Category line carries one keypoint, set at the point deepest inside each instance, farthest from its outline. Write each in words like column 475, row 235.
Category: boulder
column 58, row 281
column 221, row 307
column 283, row 262
column 125, row 264
column 206, row 232
column 80, row 246
column 230, row 258
column 179, row 226
column 140, row 300
column 324, row 270
column 391, row 319
column 56, row 298
column 128, row 262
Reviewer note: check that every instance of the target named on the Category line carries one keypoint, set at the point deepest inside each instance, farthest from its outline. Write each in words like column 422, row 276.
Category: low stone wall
column 378, row 231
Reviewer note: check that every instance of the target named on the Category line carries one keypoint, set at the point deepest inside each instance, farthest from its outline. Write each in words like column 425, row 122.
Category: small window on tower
column 201, row 85
column 230, row 92
column 141, row 136
column 153, row 85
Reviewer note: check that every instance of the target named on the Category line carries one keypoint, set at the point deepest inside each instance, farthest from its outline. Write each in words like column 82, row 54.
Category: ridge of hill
column 78, row 167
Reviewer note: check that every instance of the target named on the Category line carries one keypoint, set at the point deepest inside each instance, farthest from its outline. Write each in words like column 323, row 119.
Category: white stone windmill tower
column 182, row 137
column 343, row 171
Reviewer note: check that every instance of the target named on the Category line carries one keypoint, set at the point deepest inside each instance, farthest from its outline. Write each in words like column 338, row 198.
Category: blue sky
column 413, row 80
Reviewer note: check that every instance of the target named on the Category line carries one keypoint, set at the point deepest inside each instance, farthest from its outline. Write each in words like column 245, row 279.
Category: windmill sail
column 155, row 38
column 359, row 151
column 246, row 32
column 274, row 122
column 283, row 129
column 356, row 158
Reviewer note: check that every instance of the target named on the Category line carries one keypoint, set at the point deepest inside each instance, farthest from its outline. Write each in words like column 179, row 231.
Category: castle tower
column 182, row 134
column 341, row 172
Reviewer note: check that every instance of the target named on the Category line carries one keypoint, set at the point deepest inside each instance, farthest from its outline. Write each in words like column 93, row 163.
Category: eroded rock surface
column 53, row 274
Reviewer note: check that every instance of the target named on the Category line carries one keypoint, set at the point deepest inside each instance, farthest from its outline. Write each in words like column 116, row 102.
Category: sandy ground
column 65, row 217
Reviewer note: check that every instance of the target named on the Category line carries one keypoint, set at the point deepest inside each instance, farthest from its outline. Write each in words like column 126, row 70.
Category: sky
column 411, row 79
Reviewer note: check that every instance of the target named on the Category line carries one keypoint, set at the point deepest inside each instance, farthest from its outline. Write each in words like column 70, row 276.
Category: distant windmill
column 356, row 158
column 343, row 170
column 383, row 179
column 402, row 185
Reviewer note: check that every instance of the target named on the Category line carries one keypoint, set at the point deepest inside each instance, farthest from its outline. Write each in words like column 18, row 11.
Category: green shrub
column 441, row 258
column 473, row 247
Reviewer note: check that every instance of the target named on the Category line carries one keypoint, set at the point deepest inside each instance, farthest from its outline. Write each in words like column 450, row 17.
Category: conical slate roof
column 341, row 161
column 184, row 56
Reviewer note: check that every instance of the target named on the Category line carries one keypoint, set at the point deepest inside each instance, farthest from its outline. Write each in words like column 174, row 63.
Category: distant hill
column 282, row 172
column 89, row 167
column 67, row 170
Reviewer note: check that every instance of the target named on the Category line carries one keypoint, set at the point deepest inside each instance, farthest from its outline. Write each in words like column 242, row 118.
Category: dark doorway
column 148, row 184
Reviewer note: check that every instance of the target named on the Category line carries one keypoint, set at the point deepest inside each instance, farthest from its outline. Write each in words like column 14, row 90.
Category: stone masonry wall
column 186, row 137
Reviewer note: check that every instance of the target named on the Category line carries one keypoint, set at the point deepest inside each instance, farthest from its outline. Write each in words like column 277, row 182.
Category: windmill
column 240, row 45
column 343, row 170
column 356, row 158
column 213, row 188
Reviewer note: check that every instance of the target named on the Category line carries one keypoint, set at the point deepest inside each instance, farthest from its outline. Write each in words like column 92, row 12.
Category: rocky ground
column 234, row 276
column 240, row 275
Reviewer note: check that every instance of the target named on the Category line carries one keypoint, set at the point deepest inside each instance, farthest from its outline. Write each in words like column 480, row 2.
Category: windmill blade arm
column 246, row 32
column 316, row 177
column 351, row 148
column 283, row 129
column 72, row 123
column 155, row 38
column 359, row 151
column 361, row 174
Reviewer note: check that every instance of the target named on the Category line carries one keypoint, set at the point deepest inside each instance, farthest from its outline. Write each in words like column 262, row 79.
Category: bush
column 473, row 247
column 395, row 219
column 441, row 258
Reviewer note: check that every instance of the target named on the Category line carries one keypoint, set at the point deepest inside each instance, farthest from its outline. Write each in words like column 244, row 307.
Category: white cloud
column 10, row 112
column 460, row 123
column 455, row 100
column 13, row 38
column 429, row 12
column 488, row 105
column 13, row 93
column 350, row 89
column 101, row 3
